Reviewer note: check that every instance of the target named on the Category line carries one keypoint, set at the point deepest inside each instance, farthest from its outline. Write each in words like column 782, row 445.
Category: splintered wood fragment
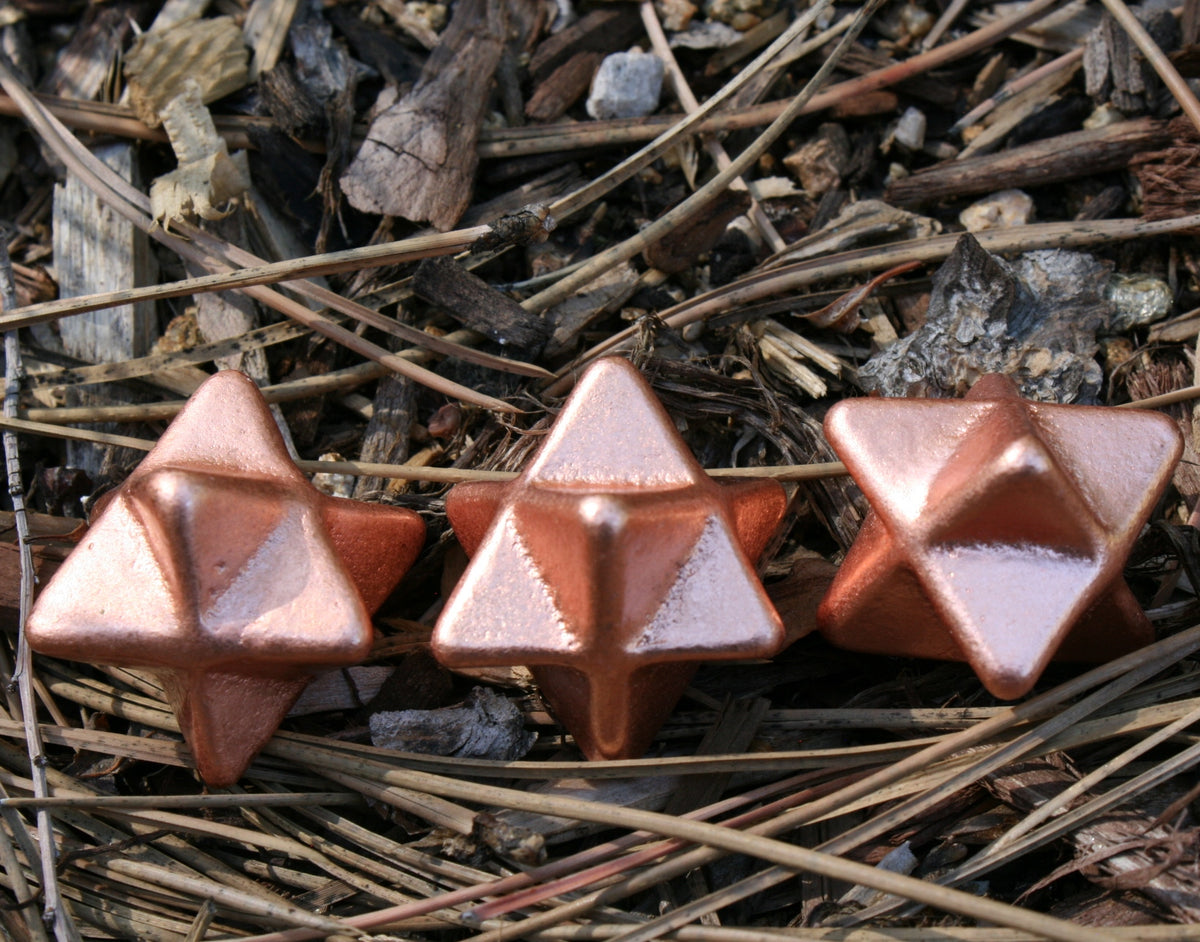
column 804, row 348
column 603, row 295
column 266, row 30
column 211, row 52
column 603, row 30
column 95, row 249
column 386, row 437
column 780, row 358
column 1053, row 160
column 418, row 160
column 84, row 66
column 477, row 305
column 563, row 87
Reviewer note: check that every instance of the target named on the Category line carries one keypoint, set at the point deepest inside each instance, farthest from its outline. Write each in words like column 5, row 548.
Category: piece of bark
column 650, row 793
column 1115, row 68
column 296, row 110
column 563, row 87
column 696, row 236
column 1124, row 848
column 418, row 160
column 84, row 66
column 797, row 596
column 418, row 682
column 603, row 30
column 378, row 49
column 485, row 726
column 345, row 689
column 386, row 438
column 600, row 296
column 52, row 539
column 1053, row 160
column 475, row 304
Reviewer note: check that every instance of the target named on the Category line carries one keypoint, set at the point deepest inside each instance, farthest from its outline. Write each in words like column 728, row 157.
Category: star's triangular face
column 226, row 425
column 68, row 622
column 501, row 612
column 1009, row 608
column 1148, row 444
column 708, row 612
column 612, row 432
column 896, row 448
column 208, row 704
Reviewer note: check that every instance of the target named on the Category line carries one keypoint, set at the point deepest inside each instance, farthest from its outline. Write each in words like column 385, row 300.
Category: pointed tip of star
column 613, row 432
column 225, row 425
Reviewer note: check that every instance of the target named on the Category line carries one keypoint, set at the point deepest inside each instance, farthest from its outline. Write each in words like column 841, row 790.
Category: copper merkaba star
column 218, row 566
column 998, row 531
column 611, row 567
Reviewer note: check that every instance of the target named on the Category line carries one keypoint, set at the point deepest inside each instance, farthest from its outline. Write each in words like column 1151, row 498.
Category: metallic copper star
column 217, row 565
column 611, row 567
column 999, row 529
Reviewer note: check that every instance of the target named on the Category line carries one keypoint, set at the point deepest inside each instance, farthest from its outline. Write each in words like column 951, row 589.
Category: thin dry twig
column 55, row 913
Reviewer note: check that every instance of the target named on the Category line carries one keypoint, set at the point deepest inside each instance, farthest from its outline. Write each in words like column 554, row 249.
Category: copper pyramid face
column 613, row 433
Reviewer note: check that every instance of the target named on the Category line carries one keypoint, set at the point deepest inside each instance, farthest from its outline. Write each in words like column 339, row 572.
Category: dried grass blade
column 54, row 912
column 778, row 280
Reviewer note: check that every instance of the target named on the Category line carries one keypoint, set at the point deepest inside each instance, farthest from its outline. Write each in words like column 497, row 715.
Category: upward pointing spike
column 614, row 405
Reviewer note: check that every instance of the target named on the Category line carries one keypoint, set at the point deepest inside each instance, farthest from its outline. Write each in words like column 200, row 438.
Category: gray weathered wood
column 96, row 250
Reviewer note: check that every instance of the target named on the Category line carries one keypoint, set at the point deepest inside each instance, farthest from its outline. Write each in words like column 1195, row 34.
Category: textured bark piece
column 1034, row 319
column 1065, row 157
column 475, row 304
column 419, row 158
column 604, row 30
column 1116, row 70
column 563, row 87
column 83, row 67
column 1123, row 849
column 386, row 437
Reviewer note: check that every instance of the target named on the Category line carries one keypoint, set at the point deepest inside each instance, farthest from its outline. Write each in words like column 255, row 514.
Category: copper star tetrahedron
column 998, row 530
column 611, row 567
column 217, row 565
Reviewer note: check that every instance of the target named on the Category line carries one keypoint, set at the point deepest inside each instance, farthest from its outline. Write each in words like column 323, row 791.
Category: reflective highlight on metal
column 998, row 531
column 217, row 565
column 611, row 567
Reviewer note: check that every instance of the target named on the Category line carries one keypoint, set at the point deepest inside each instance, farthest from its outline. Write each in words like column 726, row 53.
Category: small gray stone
column 910, row 129
column 627, row 85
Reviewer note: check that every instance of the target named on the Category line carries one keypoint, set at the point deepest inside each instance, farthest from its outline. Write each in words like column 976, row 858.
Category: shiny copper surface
column 998, row 531
column 611, row 567
column 217, row 565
